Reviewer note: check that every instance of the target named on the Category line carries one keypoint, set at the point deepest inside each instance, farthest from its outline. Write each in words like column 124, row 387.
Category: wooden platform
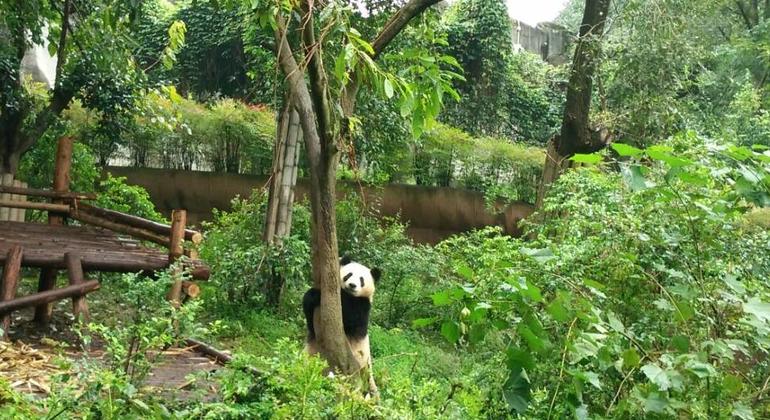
column 101, row 250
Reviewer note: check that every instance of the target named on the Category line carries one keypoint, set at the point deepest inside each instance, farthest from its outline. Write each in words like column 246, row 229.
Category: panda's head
column 357, row 279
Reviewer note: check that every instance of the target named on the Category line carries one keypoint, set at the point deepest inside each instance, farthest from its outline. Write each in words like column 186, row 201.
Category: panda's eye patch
column 362, row 281
column 347, row 276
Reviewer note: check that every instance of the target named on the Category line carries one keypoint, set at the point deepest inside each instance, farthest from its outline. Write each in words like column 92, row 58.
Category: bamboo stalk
column 175, row 251
column 43, row 298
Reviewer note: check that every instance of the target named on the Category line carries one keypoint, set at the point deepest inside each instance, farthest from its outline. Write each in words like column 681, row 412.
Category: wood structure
column 105, row 240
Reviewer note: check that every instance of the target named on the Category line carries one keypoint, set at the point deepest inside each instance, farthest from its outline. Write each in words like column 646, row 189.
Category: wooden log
column 61, row 183
column 175, row 251
column 21, row 214
column 60, row 208
column 138, row 222
column 146, row 235
column 43, row 298
column 190, row 289
column 34, row 192
column 5, row 179
column 218, row 355
column 11, row 274
column 76, row 277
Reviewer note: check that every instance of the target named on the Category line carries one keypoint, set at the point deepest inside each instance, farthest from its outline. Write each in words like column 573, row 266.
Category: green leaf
column 466, row 272
column 388, row 85
column 631, row 358
column 541, row 255
column 517, row 358
column 655, row 403
column 681, row 343
column 657, row 376
column 516, row 390
column 626, row 150
column 700, row 369
column 423, row 322
column 759, row 309
column 732, row 385
column 742, row 411
column 451, row 331
column 441, row 298
column 615, row 323
column 558, row 311
column 476, row 334
column 661, row 153
column 591, row 159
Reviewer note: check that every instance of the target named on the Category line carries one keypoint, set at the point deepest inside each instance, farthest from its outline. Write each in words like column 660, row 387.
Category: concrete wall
column 548, row 40
column 433, row 213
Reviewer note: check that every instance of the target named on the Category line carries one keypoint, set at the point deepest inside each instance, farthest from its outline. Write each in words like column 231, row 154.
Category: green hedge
column 447, row 156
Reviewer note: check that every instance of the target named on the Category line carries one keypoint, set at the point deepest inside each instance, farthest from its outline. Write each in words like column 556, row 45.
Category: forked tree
column 324, row 98
column 577, row 135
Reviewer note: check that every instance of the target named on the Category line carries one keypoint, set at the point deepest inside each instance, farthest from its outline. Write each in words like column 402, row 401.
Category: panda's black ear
column 345, row 260
column 376, row 273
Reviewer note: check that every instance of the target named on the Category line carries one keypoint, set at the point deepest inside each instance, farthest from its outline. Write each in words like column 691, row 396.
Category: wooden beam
column 58, row 208
column 143, row 234
column 43, row 298
column 175, row 251
column 5, row 179
column 138, row 222
column 76, row 277
column 11, row 274
column 61, row 183
column 34, row 192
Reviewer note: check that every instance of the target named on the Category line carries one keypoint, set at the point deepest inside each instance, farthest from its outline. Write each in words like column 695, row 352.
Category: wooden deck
column 101, row 250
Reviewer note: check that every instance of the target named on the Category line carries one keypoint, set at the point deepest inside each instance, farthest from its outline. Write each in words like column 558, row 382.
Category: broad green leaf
column 441, row 298
column 631, row 358
column 700, row 369
column 626, row 150
column 558, row 311
column 731, row 384
column 615, row 323
column 423, row 322
column 633, row 175
column 742, row 411
column 655, row 403
column 681, row 343
column 591, row 159
column 759, row 309
column 541, row 255
column 534, row 342
column 476, row 334
column 516, row 390
column 657, row 376
column 465, row 271
column 451, row 331
column 661, row 154
column 519, row 358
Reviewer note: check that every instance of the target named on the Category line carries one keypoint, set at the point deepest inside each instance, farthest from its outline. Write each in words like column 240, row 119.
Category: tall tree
column 577, row 135
column 325, row 100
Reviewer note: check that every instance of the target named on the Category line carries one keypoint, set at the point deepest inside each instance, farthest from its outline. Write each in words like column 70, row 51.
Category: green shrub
column 448, row 156
column 115, row 194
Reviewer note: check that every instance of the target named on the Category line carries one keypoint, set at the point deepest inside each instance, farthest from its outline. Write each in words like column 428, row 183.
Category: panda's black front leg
column 310, row 301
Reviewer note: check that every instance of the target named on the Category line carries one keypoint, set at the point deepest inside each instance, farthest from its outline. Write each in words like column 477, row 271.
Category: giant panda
column 357, row 284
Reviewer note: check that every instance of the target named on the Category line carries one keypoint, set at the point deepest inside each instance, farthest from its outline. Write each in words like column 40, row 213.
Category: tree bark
column 576, row 134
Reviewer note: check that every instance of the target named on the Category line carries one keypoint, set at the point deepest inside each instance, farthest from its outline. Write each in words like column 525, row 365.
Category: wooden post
column 61, row 183
column 75, row 274
column 5, row 180
column 21, row 214
column 10, row 283
column 175, row 251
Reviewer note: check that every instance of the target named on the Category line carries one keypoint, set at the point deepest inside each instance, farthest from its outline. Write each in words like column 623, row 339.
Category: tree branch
column 392, row 27
column 319, row 85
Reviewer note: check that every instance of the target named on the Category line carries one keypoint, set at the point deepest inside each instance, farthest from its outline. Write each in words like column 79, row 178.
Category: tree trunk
column 576, row 134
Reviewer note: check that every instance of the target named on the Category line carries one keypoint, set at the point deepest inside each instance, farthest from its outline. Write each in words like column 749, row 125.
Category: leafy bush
column 647, row 299
column 450, row 157
column 115, row 194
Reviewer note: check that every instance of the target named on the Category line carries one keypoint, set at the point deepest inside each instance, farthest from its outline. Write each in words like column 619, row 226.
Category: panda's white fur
column 357, row 293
